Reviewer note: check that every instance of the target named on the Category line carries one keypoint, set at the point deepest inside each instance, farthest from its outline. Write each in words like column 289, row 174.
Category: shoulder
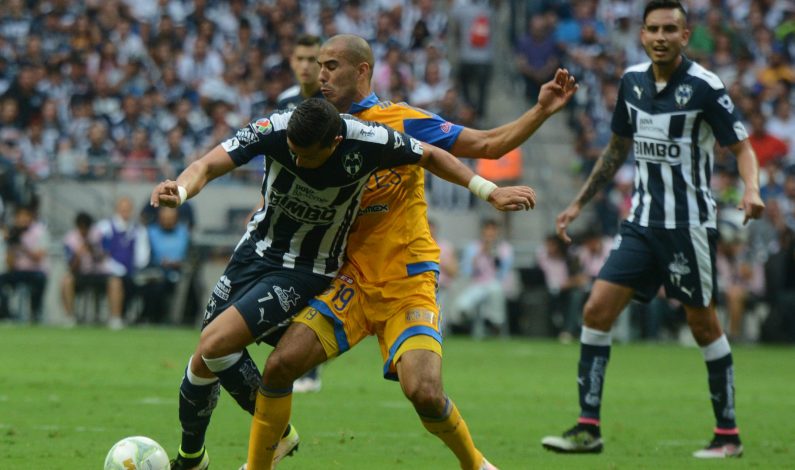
column 697, row 71
column 291, row 92
column 636, row 69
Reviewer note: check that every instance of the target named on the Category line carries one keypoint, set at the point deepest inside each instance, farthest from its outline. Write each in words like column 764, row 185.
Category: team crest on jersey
column 246, row 136
column 263, row 126
column 352, row 163
column 683, row 94
column 446, row 126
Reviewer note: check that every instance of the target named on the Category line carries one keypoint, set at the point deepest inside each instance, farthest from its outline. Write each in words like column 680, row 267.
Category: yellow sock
column 271, row 415
column 453, row 431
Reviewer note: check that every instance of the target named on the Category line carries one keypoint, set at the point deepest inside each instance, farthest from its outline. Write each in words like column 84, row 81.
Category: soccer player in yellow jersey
column 387, row 287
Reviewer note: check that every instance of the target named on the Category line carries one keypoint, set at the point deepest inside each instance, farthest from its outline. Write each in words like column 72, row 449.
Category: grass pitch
column 67, row 395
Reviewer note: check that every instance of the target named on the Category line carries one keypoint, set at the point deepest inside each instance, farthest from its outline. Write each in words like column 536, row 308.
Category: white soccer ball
column 136, row 453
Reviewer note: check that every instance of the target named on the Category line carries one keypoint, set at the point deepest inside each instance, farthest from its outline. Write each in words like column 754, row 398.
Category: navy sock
column 242, row 380
column 196, row 405
column 312, row 373
column 591, row 376
column 721, row 390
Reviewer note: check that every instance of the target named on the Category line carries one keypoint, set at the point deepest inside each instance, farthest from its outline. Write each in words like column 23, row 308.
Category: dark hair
column 308, row 40
column 664, row 5
column 84, row 219
column 315, row 121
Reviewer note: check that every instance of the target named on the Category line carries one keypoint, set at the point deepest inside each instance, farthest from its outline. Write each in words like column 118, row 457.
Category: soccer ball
column 136, row 453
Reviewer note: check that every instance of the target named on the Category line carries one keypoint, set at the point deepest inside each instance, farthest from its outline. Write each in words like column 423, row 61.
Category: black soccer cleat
column 722, row 446
column 200, row 462
column 580, row 439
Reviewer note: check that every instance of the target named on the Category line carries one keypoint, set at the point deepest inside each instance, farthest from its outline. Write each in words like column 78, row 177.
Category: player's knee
column 426, row 396
column 214, row 343
column 280, row 370
column 594, row 315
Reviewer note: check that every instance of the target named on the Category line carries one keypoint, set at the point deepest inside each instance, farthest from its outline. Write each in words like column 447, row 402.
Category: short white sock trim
column 222, row 363
column 595, row 337
column 195, row 379
column 716, row 349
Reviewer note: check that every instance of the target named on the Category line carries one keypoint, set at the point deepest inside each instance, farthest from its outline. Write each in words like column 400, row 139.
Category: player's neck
column 309, row 90
column 663, row 72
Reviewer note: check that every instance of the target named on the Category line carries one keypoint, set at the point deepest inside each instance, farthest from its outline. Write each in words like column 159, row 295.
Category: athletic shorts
column 682, row 260
column 267, row 296
column 403, row 314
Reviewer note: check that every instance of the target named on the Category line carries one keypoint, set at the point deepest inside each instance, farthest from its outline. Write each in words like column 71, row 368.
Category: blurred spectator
column 780, row 324
column 127, row 246
column 169, row 239
column 448, row 267
column 770, row 150
column 782, row 126
column 566, row 286
column 487, row 269
column 26, row 240
column 474, row 20
column 429, row 92
column 85, row 262
column 537, row 56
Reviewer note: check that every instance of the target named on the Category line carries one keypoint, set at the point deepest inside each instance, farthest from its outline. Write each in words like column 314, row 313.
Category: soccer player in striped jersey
column 317, row 163
column 669, row 113
column 387, row 286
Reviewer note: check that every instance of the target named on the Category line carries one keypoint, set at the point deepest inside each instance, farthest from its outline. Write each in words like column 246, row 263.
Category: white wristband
column 183, row 195
column 481, row 187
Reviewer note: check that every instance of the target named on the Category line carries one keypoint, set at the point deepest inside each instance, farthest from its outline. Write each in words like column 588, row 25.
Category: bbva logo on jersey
column 352, row 163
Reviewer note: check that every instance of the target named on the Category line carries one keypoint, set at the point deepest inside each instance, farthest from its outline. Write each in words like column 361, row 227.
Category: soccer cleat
column 581, row 439
column 307, row 384
column 288, row 445
column 201, row 462
column 721, row 447
column 486, row 465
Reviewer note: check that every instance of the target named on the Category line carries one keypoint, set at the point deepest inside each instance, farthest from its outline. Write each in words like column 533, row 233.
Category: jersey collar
column 676, row 77
column 365, row 104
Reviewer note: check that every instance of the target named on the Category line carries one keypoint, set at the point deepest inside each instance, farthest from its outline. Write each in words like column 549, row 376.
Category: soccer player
column 316, row 166
column 387, row 287
column 303, row 63
column 670, row 112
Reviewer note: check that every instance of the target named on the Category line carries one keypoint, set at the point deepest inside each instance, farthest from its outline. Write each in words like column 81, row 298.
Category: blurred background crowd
column 132, row 91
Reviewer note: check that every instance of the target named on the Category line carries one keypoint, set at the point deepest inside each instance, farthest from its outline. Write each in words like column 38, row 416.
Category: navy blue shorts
column 268, row 296
column 683, row 260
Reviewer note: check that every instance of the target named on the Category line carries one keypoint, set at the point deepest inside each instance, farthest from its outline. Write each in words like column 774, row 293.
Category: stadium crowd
column 136, row 90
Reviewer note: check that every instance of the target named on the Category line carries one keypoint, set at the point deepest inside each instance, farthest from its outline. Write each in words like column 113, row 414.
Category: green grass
column 67, row 395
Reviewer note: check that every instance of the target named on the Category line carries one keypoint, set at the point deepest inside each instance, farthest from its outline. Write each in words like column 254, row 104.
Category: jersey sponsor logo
column 346, row 279
column 246, row 136
column 367, row 132
column 683, row 94
column 416, row 145
column 657, row 151
column 421, row 316
column 446, row 126
column 230, row 144
column 302, row 211
column 352, row 163
column 374, row 209
column 263, row 126
column 287, row 297
column 726, row 102
column 648, row 125
column 398, row 140
column 222, row 288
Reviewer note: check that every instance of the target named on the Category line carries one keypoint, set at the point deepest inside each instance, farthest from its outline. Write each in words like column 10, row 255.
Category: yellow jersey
column 391, row 239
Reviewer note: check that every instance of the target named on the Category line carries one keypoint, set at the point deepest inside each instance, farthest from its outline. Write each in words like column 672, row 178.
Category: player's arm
column 748, row 165
column 606, row 167
column 446, row 166
column 494, row 143
column 190, row 182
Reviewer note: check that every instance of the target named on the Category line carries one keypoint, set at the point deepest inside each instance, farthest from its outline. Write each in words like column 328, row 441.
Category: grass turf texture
column 66, row 396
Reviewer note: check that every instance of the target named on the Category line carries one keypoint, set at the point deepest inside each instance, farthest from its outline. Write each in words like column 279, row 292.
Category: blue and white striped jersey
column 674, row 132
column 307, row 214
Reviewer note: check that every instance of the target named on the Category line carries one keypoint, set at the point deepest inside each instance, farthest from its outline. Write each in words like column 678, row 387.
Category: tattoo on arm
column 606, row 167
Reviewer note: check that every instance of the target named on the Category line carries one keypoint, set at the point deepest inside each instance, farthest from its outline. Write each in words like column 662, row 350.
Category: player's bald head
column 352, row 48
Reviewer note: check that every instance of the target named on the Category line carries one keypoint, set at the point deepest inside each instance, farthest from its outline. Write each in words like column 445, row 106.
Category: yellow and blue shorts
column 403, row 314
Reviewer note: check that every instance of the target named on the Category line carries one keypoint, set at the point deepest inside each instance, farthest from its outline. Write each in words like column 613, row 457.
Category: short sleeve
column 252, row 140
column 432, row 129
column 622, row 122
column 722, row 116
column 400, row 149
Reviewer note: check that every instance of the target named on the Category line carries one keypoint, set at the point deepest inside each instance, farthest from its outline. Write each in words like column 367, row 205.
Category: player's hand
column 752, row 205
column 564, row 219
column 556, row 93
column 165, row 194
column 513, row 198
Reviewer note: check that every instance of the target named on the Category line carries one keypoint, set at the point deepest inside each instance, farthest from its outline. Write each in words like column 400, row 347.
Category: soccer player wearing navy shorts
column 317, row 163
column 669, row 112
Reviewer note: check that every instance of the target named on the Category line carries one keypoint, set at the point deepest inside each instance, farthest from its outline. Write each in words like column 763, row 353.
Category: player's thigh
column 632, row 263
column 298, row 351
column 605, row 303
column 688, row 256
column 337, row 315
column 410, row 321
